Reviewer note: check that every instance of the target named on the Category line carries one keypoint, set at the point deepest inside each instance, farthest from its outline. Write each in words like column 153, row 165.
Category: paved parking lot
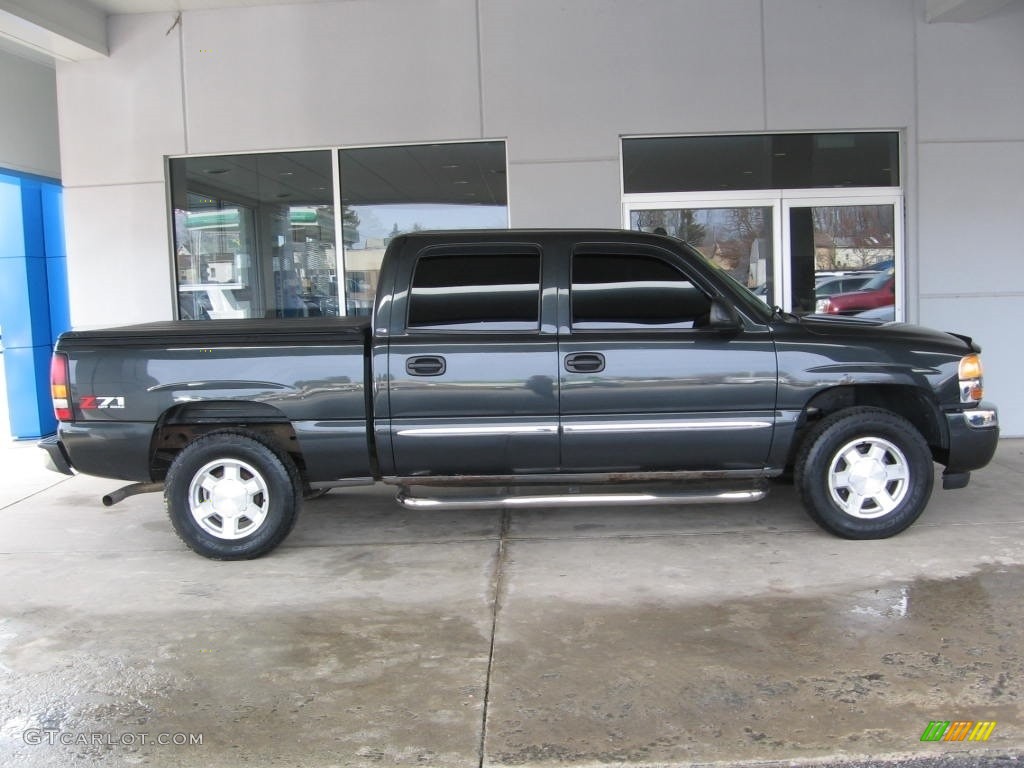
column 381, row 636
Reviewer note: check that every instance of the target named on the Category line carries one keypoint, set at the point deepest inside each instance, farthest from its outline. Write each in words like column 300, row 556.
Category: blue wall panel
column 56, row 260
column 12, row 231
column 27, row 370
column 23, row 308
column 33, row 296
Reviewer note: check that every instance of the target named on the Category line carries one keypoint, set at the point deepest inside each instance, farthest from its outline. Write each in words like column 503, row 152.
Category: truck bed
column 134, row 385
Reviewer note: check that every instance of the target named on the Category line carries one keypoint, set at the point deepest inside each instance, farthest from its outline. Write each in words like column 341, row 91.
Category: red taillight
column 59, row 388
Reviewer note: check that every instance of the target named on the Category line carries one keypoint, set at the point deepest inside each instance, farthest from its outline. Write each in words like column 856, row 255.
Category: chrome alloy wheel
column 228, row 499
column 868, row 477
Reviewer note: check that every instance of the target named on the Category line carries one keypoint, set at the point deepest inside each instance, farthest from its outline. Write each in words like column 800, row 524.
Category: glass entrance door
column 843, row 256
column 740, row 237
column 805, row 253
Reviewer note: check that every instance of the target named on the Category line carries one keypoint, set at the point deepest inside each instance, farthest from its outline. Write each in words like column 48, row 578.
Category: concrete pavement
column 380, row 636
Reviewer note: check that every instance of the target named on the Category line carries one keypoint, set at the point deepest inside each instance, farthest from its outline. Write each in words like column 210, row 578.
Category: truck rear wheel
column 231, row 497
column 864, row 473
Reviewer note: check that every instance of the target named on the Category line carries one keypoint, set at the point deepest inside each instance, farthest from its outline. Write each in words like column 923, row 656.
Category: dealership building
column 211, row 159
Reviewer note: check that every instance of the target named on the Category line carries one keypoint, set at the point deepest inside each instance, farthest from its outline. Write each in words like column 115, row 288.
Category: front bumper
column 973, row 437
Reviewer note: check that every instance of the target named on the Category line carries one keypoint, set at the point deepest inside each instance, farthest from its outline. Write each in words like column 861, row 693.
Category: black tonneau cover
column 320, row 330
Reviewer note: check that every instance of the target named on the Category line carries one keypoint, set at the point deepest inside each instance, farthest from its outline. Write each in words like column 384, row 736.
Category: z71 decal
column 94, row 402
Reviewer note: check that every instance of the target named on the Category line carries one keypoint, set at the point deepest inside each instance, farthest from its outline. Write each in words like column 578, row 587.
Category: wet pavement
column 379, row 636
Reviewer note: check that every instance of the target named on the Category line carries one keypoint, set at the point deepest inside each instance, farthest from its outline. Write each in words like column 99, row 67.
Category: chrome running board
column 637, row 497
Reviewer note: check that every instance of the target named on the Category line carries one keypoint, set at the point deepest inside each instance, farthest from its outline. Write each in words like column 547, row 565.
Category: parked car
column 834, row 285
column 879, row 291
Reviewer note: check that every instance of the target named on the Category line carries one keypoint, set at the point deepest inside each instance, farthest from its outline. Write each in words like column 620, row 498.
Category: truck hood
column 833, row 326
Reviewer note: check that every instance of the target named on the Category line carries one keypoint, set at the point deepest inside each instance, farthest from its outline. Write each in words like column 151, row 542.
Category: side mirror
column 724, row 318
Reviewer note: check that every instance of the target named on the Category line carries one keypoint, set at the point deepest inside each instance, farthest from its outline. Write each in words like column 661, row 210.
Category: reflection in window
column 835, row 246
column 610, row 291
column 476, row 292
column 254, row 235
column 737, row 240
column 386, row 191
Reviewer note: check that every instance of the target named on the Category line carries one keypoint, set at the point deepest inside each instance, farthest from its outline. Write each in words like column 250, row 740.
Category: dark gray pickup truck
column 511, row 368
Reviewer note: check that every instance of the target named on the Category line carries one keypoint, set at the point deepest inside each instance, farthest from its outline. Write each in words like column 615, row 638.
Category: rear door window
column 476, row 292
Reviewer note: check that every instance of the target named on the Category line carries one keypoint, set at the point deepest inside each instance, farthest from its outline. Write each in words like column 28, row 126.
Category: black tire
column 864, row 473
column 251, row 495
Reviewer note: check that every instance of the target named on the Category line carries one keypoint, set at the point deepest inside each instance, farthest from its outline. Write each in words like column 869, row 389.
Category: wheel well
column 181, row 425
column 909, row 402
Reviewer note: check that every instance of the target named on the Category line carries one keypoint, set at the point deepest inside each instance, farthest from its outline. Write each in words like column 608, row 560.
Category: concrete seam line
column 497, row 585
column 34, row 493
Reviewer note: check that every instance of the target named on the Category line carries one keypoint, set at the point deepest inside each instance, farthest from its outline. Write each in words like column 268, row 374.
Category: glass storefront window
column 386, row 191
column 254, row 235
column 213, row 242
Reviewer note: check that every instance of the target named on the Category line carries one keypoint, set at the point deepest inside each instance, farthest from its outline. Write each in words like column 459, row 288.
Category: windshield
column 877, row 281
column 747, row 299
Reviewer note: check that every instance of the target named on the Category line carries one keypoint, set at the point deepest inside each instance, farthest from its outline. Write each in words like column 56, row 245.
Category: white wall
column 119, row 116
column 28, row 116
column 970, row 192
column 560, row 82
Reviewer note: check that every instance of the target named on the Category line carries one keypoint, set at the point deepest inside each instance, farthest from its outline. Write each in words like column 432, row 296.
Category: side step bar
column 636, row 497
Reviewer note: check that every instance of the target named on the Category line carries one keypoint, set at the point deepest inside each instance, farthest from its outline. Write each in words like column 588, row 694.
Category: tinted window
column 760, row 161
column 610, row 291
column 476, row 292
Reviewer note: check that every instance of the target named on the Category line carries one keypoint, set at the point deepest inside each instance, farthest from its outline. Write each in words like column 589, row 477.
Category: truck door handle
column 585, row 362
column 428, row 365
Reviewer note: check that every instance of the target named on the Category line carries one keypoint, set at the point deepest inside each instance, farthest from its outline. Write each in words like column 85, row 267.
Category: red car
column 879, row 291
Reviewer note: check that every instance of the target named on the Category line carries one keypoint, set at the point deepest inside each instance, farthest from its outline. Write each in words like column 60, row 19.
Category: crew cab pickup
column 513, row 367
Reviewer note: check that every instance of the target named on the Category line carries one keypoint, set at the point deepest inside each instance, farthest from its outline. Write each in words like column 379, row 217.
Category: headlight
column 821, row 306
column 970, row 374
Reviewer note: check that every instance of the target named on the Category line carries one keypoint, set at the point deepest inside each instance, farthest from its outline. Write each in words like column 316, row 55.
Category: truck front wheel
column 864, row 473
column 231, row 497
